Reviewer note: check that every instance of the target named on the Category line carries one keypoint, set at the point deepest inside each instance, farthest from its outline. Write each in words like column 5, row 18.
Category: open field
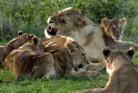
column 31, row 16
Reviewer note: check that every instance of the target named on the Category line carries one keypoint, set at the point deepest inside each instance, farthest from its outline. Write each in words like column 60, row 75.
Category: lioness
column 123, row 76
column 72, row 60
column 70, row 22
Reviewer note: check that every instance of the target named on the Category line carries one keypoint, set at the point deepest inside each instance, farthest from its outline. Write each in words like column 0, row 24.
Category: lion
column 25, row 63
column 113, row 28
column 112, row 32
column 123, row 75
column 30, row 60
column 72, row 60
column 59, row 45
column 58, row 42
column 19, row 41
column 70, row 22
column 13, row 44
column 33, row 44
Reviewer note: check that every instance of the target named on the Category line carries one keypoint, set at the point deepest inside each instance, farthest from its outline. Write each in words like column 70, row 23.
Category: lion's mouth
column 51, row 30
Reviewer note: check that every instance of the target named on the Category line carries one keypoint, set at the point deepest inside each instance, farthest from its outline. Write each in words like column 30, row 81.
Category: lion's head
column 64, row 21
column 78, row 55
column 115, row 60
column 113, row 28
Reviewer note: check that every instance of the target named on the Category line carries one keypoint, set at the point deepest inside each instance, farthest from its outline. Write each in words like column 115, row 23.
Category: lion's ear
column 105, row 21
column 106, row 52
column 30, row 36
column 131, row 52
column 70, row 47
column 35, row 40
column 123, row 21
column 20, row 33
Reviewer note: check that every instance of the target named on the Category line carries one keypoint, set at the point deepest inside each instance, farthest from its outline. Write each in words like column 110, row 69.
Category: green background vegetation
column 31, row 16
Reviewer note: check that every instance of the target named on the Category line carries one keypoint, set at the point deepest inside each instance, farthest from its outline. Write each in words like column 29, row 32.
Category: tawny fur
column 112, row 32
column 30, row 60
column 123, row 75
column 72, row 23
column 56, row 42
column 68, row 60
column 13, row 44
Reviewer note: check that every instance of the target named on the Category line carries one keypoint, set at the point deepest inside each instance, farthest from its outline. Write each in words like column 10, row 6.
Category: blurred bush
column 31, row 15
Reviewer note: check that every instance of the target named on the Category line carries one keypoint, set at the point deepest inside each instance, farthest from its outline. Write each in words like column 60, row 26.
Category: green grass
column 3, row 42
column 55, row 85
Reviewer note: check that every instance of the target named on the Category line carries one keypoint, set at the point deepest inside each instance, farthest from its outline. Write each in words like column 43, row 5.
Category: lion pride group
column 75, row 46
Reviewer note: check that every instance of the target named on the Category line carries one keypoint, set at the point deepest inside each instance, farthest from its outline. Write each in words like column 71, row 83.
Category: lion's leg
column 44, row 66
column 87, row 73
column 123, row 45
column 100, row 90
column 19, row 77
column 96, row 66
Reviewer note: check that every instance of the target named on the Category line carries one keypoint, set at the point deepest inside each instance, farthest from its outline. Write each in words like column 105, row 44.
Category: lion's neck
column 81, row 34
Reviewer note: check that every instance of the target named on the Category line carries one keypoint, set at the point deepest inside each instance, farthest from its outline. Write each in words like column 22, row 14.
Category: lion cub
column 112, row 33
column 113, row 29
column 123, row 76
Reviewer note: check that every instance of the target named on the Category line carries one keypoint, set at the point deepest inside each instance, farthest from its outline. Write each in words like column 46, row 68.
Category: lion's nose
column 80, row 66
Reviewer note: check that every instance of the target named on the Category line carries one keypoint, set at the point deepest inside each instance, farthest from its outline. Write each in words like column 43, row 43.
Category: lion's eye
column 63, row 21
column 51, row 21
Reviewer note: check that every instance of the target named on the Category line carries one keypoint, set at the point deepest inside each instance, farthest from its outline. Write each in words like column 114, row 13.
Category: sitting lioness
column 123, row 75
column 70, row 22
